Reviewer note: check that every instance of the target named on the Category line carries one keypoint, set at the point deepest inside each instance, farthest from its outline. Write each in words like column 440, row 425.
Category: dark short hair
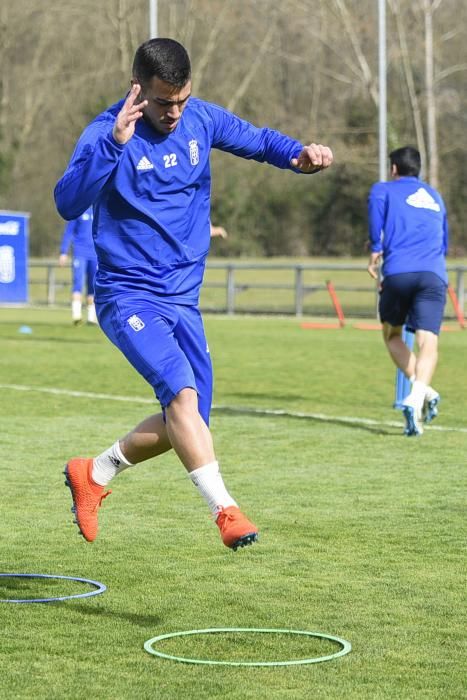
column 165, row 59
column 407, row 160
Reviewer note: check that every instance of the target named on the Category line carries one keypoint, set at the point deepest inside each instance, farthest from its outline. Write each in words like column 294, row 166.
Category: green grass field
column 363, row 531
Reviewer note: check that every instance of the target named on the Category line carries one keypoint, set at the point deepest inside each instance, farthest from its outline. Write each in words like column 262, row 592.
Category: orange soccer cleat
column 236, row 530
column 87, row 496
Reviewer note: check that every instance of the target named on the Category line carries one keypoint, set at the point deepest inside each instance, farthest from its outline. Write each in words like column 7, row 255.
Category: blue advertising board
column 14, row 249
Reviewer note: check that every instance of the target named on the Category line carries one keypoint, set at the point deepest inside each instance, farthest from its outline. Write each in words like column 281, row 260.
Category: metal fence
column 298, row 289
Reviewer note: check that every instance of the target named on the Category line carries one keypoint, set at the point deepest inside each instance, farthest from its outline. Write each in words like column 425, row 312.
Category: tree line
column 305, row 67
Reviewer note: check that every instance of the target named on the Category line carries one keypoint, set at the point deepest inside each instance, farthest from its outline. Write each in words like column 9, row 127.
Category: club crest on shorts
column 194, row 152
column 136, row 323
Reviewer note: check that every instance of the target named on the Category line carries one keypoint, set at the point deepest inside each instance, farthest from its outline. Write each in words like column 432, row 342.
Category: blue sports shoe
column 430, row 409
column 413, row 425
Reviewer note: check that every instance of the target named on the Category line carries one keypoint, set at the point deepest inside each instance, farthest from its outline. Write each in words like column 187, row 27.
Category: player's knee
column 427, row 340
column 185, row 400
column 391, row 332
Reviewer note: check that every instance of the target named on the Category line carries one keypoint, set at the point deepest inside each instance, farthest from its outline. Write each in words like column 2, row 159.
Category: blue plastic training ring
column 345, row 647
column 100, row 588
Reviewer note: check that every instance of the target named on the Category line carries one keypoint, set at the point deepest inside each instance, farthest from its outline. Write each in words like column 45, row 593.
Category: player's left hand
column 313, row 158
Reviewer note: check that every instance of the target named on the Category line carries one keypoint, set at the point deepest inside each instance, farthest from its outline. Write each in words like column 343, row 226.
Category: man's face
column 165, row 104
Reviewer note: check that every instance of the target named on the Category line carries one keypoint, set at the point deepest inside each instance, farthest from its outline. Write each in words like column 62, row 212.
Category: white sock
column 431, row 393
column 109, row 464
column 76, row 310
column 417, row 395
column 209, row 482
column 92, row 318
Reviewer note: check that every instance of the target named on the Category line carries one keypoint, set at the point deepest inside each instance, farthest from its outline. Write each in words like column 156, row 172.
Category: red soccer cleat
column 87, row 496
column 236, row 530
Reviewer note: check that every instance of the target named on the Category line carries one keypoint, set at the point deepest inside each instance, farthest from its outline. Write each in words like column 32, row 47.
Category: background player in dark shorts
column 78, row 235
column 408, row 230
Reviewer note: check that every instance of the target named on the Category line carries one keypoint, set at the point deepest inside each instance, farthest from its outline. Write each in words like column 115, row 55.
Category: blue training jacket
column 408, row 223
column 151, row 196
column 78, row 233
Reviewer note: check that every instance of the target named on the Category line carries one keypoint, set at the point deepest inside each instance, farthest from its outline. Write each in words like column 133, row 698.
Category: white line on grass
column 234, row 409
column 78, row 394
column 327, row 419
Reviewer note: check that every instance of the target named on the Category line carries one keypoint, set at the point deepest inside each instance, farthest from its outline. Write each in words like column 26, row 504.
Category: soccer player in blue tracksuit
column 408, row 229
column 144, row 166
column 78, row 234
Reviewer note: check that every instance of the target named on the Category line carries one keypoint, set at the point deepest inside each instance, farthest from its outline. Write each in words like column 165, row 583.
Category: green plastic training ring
column 345, row 647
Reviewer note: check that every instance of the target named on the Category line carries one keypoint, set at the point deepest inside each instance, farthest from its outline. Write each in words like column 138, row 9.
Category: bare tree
column 408, row 72
column 429, row 7
column 352, row 33
column 305, row 68
column 249, row 75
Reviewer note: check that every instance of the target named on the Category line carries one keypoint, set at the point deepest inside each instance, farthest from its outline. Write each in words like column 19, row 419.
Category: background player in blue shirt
column 144, row 166
column 408, row 230
column 78, row 235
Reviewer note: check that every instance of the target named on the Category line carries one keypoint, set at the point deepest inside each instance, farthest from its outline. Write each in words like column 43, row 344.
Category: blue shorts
column 164, row 342
column 84, row 267
column 416, row 299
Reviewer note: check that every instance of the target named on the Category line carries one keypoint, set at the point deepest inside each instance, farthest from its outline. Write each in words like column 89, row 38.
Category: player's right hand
column 218, row 231
column 124, row 126
column 373, row 265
